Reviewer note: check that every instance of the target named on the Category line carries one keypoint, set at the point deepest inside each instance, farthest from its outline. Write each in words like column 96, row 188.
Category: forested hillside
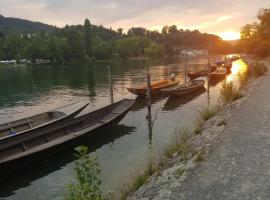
column 81, row 43
column 9, row 24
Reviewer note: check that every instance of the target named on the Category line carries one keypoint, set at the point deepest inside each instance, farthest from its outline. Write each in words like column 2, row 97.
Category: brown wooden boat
column 194, row 75
column 218, row 75
column 185, row 88
column 156, row 87
column 21, row 150
column 20, row 126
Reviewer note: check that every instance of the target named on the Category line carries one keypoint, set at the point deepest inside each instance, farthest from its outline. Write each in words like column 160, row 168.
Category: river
column 123, row 150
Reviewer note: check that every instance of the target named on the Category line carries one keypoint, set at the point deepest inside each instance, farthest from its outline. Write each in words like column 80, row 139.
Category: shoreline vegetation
column 188, row 147
column 87, row 42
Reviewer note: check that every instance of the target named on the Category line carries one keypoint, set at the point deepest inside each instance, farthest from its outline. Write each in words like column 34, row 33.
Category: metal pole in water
column 149, row 114
column 110, row 83
column 148, row 88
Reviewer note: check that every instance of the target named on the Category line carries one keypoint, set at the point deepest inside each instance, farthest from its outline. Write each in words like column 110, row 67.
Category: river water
column 123, row 150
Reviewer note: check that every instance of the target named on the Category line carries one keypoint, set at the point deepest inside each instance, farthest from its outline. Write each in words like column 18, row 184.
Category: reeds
column 229, row 92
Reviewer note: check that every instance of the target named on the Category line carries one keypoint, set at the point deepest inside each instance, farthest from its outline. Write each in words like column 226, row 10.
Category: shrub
column 229, row 92
column 87, row 174
column 208, row 112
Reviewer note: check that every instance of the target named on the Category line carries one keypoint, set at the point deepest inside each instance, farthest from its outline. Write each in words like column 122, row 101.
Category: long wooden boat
column 28, row 124
column 194, row 75
column 185, row 88
column 22, row 150
column 173, row 103
column 156, row 87
column 218, row 75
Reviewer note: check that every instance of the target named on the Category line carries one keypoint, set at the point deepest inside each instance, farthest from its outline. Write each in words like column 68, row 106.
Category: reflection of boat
column 185, row 88
column 156, row 87
column 173, row 103
column 23, row 126
column 218, row 75
column 16, row 152
column 60, row 159
column 194, row 75
column 141, row 102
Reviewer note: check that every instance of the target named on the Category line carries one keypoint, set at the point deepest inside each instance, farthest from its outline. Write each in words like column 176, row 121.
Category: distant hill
column 22, row 25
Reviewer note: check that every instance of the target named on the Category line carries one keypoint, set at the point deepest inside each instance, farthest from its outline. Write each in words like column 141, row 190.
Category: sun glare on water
column 230, row 35
column 238, row 67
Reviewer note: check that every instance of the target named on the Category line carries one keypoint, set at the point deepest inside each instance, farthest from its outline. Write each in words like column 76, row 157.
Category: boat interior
column 25, row 124
column 14, row 145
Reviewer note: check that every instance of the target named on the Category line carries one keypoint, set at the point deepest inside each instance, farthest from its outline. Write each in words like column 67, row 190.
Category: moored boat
column 218, row 75
column 185, row 88
column 22, row 150
column 194, row 75
column 28, row 124
column 156, row 87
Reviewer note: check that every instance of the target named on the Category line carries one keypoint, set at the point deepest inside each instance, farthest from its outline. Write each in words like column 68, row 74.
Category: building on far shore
column 193, row 52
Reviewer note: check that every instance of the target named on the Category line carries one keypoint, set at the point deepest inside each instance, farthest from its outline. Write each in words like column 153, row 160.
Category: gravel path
column 238, row 167
column 238, row 164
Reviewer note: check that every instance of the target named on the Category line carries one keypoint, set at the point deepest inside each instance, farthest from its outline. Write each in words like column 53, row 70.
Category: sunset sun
column 230, row 35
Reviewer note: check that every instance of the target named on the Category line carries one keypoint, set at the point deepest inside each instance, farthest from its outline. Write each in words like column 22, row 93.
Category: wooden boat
column 173, row 103
column 22, row 150
column 28, row 124
column 156, row 87
column 218, row 75
column 185, row 88
column 194, row 75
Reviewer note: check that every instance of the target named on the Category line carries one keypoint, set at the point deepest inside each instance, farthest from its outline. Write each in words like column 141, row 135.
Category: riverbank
column 202, row 174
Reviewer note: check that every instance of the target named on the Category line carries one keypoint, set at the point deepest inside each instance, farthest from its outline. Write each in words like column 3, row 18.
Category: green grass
column 200, row 156
column 138, row 180
column 229, row 92
column 207, row 112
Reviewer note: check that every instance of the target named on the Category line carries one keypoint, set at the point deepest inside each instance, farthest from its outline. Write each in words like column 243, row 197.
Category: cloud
column 206, row 15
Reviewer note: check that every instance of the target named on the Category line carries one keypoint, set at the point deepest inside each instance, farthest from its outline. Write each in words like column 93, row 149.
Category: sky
column 221, row 17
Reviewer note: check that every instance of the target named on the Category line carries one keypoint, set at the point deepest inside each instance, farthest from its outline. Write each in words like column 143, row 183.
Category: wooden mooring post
column 110, row 84
column 149, row 113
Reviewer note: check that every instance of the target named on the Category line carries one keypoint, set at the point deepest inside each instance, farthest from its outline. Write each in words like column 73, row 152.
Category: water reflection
column 174, row 103
column 60, row 160
column 121, row 150
column 238, row 67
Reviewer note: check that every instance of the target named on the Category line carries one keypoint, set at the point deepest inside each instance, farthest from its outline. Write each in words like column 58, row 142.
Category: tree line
column 82, row 43
column 255, row 37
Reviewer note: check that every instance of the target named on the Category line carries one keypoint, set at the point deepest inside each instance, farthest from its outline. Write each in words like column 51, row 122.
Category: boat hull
column 201, row 73
column 155, row 90
column 62, row 140
column 36, row 122
column 181, row 91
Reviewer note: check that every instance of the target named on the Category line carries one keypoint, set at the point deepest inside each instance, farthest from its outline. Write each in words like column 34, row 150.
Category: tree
column 88, row 37
column 76, row 44
column 37, row 48
column 13, row 46
column 165, row 30
column 255, row 37
column 154, row 50
column 54, row 49
column 102, row 50
column 120, row 32
column 137, row 31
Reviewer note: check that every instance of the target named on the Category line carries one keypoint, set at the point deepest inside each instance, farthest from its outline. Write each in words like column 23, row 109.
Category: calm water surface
column 122, row 150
